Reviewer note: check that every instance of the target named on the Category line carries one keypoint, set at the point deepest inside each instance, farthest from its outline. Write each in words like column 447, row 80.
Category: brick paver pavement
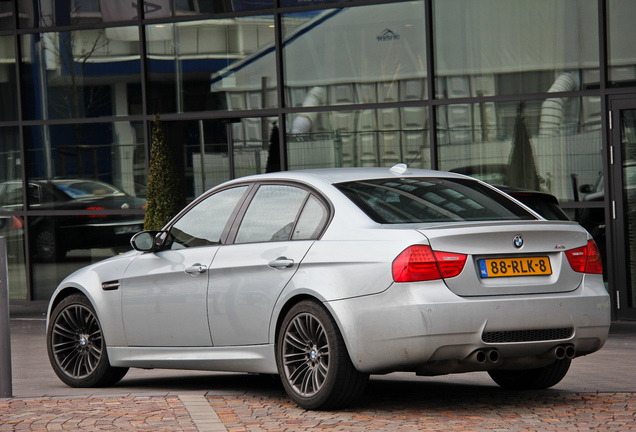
column 496, row 411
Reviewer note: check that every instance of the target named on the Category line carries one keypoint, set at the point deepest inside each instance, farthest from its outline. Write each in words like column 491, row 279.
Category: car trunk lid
column 510, row 258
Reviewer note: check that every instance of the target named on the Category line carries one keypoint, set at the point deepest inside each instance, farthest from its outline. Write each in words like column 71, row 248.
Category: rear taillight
column 95, row 215
column 421, row 263
column 17, row 222
column 586, row 259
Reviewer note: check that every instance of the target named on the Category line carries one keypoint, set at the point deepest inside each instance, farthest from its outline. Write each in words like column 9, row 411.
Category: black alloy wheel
column 76, row 346
column 313, row 361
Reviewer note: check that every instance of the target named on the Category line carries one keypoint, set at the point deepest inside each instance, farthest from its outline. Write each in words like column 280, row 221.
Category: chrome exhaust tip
column 493, row 356
column 483, row 356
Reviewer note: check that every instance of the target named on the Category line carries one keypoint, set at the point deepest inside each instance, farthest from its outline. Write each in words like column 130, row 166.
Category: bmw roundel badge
column 517, row 241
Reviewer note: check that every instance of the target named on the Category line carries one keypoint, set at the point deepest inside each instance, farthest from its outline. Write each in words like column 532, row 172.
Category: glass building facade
column 535, row 95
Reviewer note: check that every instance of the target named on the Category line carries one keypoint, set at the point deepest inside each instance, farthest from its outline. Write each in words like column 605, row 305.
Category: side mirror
column 149, row 241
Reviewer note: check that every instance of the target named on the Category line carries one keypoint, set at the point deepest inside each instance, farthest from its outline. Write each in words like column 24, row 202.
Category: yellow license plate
column 507, row 267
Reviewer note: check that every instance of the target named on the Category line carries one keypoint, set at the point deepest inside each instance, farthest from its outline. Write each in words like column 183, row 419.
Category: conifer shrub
column 164, row 198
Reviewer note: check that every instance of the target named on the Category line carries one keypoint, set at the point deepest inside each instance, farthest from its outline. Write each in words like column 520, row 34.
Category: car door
column 274, row 234
column 164, row 294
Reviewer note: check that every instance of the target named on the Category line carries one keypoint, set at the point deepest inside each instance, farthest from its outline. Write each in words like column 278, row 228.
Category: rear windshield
column 414, row 200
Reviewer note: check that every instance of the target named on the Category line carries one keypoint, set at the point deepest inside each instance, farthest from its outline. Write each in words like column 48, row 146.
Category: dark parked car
column 495, row 174
column 52, row 236
column 545, row 204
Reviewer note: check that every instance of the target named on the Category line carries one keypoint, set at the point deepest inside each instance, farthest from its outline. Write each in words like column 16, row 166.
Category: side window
column 13, row 195
column 35, row 196
column 271, row 214
column 311, row 220
column 203, row 224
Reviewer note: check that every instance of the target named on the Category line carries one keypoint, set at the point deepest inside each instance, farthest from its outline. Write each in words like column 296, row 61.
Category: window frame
column 228, row 224
column 231, row 239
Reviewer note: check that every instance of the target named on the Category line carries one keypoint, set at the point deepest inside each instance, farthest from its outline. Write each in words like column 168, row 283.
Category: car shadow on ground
column 381, row 394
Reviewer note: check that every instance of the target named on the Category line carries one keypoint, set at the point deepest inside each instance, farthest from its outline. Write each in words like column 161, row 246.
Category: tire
column 532, row 379
column 313, row 362
column 76, row 346
column 47, row 248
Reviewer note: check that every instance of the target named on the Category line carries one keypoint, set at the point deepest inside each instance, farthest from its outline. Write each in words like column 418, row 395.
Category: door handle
column 196, row 269
column 281, row 263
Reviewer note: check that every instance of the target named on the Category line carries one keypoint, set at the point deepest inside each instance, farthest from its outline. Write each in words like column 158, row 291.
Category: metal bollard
column 5, row 331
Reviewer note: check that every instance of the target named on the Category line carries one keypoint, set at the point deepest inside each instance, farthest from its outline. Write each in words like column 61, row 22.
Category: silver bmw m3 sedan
column 324, row 277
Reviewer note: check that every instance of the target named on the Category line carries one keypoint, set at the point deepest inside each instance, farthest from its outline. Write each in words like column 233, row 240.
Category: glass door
column 623, row 204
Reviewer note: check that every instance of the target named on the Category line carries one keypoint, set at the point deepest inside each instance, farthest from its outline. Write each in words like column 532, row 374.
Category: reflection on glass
column 196, row 7
column 500, row 47
column 8, row 82
column 208, row 65
column 354, row 55
column 49, row 13
column 58, row 248
column 110, row 153
column 12, row 229
column 11, row 200
column 10, row 158
column 78, row 74
column 307, row 2
column 200, row 150
column 6, row 15
column 52, row 238
column 253, row 140
column 628, row 144
column 552, row 145
column 382, row 137
column 621, row 49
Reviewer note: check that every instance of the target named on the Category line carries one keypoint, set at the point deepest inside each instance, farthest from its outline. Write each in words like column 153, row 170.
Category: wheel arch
column 286, row 307
column 106, row 307
column 62, row 293
column 294, row 300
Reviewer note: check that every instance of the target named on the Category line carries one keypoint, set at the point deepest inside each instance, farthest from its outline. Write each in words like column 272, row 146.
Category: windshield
column 416, row 200
column 88, row 189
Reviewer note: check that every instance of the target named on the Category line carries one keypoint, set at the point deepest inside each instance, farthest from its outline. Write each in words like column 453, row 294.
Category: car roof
column 341, row 175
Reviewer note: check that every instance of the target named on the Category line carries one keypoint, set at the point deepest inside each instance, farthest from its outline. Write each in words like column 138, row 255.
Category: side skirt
column 252, row 358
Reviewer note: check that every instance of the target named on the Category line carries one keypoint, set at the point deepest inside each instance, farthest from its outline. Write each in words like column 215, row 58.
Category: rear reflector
column 586, row 259
column 421, row 263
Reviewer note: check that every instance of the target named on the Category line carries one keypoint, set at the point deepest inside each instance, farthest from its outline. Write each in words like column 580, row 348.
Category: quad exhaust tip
column 561, row 352
column 492, row 356
column 484, row 356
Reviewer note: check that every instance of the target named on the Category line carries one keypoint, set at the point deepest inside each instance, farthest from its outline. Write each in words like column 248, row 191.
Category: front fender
column 106, row 299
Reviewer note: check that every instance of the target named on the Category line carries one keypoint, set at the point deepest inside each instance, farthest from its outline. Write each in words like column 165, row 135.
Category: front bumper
column 414, row 325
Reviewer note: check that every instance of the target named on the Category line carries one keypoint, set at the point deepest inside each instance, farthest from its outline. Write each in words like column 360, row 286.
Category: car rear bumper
column 416, row 325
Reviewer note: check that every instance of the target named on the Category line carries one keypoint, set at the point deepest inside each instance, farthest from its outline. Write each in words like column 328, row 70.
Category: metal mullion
column 356, row 107
column 76, row 27
column 430, row 72
column 205, row 16
column 219, row 115
column 339, row 5
column 280, row 82
column 143, row 63
column 83, row 120
column 511, row 97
